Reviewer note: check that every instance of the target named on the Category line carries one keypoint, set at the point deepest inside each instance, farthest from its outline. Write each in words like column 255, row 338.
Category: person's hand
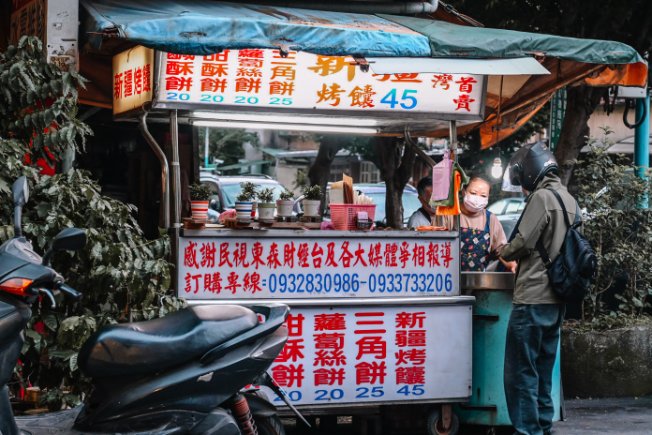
column 510, row 265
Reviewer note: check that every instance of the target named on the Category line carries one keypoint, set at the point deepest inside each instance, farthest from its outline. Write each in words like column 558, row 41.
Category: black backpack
column 573, row 271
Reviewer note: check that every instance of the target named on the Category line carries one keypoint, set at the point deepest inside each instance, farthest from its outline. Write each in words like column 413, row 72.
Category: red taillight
column 16, row 286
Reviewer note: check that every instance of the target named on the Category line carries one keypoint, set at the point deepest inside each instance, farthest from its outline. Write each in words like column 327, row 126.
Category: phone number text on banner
column 337, row 355
column 230, row 268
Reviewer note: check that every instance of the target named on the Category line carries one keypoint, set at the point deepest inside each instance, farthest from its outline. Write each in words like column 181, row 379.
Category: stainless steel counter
column 487, row 281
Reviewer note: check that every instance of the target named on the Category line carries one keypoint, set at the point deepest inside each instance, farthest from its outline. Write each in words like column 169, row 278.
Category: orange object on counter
column 453, row 210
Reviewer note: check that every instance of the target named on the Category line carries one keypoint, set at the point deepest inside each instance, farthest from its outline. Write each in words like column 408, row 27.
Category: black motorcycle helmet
column 530, row 164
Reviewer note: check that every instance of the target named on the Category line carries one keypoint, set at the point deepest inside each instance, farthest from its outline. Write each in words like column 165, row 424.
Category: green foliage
column 199, row 192
column 620, row 232
column 266, row 195
column 286, row 195
column 312, row 192
column 38, row 102
column 248, row 192
column 123, row 276
column 226, row 144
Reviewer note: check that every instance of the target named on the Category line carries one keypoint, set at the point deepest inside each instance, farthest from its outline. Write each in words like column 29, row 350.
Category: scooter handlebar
column 69, row 291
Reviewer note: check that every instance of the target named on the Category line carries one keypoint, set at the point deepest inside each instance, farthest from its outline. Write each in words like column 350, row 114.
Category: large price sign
column 266, row 79
column 337, row 355
column 316, row 267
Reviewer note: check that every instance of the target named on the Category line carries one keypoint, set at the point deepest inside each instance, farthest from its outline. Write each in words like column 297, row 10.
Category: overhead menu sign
column 256, row 78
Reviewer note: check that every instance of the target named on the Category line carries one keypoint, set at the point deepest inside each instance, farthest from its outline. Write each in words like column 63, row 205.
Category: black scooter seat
column 155, row 345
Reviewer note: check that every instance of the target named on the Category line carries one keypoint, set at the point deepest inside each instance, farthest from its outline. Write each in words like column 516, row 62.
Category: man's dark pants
column 532, row 340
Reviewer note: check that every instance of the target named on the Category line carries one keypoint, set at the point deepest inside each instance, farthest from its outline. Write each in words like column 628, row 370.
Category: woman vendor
column 481, row 233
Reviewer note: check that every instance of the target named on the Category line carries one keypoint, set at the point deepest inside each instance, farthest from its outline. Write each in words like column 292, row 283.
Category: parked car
column 508, row 210
column 377, row 192
column 226, row 188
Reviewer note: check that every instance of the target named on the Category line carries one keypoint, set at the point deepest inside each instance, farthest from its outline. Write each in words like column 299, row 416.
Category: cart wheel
column 435, row 424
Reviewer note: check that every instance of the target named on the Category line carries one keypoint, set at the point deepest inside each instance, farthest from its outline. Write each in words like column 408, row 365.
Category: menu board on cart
column 257, row 78
column 339, row 355
column 236, row 268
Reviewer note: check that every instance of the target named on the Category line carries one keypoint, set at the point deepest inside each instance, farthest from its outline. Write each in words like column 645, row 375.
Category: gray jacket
column 543, row 217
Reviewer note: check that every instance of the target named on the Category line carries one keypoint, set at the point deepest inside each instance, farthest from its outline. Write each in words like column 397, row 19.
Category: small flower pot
column 284, row 207
column 266, row 212
column 199, row 210
column 243, row 210
column 311, row 207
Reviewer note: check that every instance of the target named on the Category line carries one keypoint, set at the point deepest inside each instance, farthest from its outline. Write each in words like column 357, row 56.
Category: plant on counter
column 311, row 201
column 266, row 206
column 248, row 192
column 199, row 192
column 285, row 204
column 199, row 196
column 286, row 195
column 124, row 276
column 244, row 202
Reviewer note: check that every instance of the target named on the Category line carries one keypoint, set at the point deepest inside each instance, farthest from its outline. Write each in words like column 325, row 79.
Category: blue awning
column 204, row 27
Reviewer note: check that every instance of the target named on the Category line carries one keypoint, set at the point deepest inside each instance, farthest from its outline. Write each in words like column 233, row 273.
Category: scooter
column 189, row 372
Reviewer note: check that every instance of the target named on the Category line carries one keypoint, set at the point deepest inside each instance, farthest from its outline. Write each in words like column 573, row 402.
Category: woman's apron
column 475, row 247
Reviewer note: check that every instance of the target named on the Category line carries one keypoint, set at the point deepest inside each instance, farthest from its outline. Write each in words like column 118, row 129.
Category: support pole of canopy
column 165, row 178
column 176, row 174
column 642, row 141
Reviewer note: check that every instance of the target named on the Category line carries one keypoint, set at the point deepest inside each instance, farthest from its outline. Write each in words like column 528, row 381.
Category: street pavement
column 627, row 416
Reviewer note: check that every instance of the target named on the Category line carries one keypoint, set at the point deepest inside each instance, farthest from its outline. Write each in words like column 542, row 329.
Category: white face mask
column 475, row 203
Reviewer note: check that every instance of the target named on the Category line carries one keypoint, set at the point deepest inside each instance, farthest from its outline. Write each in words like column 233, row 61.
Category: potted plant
column 285, row 204
column 244, row 202
column 199, row 196
column 266, row 205
column 311, row 201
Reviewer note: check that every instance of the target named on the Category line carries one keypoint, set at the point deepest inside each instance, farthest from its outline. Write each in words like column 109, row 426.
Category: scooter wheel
column 270, row 426
column 435, row 425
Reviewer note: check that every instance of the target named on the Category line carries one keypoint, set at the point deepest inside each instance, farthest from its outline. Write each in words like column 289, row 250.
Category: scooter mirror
column 69, row 239
column 20, row 190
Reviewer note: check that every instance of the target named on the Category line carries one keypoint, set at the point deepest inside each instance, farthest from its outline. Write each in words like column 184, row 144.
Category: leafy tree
column 628, row 21
column 610, row 191
column 123, row 275
column 226, row 144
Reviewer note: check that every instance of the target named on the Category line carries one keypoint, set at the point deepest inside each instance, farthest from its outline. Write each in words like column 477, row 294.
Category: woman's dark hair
column 423, row 183
column 479, row 176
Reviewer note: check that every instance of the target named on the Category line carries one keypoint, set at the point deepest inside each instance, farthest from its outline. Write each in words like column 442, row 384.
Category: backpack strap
column 543, row 253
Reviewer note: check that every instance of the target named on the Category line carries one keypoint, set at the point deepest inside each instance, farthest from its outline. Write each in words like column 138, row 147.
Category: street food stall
column 378, row 317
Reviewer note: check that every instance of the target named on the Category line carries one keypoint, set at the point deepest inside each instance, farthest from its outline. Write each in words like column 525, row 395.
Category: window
column 369, row 173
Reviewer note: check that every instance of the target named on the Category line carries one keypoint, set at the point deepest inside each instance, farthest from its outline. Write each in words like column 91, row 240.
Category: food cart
column 378, row 318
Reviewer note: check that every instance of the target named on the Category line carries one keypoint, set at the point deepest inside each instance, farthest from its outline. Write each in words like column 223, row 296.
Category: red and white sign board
column 229, row 268
column 257, row 78
column 352, row 354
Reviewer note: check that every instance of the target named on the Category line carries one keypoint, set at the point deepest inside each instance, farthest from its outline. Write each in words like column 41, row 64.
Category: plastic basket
column 343, row 215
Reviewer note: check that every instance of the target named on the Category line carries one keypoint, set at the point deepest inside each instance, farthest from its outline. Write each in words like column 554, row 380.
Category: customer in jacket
column 537, row 314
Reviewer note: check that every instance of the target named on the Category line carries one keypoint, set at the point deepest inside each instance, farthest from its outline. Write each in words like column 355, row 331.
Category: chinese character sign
column 264, row 78
column 347, row 354
column 132, row 79
column 240, row 268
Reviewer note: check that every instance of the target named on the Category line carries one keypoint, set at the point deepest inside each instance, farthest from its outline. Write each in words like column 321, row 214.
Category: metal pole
column 642, row 141
column 165, row 178
column 206, row 162
column 176, row 174
column 452, row 130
